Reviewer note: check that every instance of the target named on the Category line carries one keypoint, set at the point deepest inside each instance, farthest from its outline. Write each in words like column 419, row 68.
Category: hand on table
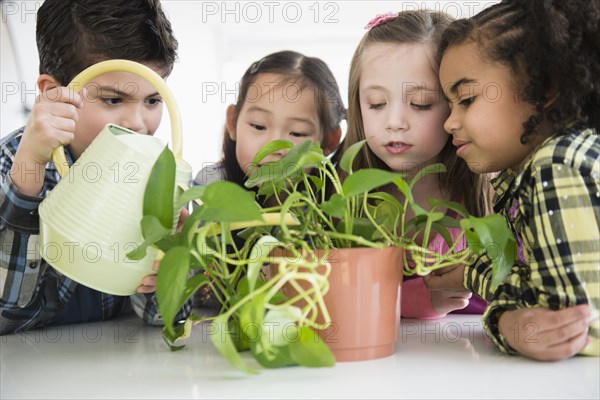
column 547, row 335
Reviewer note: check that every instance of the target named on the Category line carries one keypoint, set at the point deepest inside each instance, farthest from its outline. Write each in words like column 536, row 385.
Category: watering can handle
column 58, row 155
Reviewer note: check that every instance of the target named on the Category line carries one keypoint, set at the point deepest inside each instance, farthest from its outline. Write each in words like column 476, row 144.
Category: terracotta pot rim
column 351, row 249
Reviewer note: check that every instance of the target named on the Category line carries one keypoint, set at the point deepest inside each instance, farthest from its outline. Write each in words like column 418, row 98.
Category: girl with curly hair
column 523, row 81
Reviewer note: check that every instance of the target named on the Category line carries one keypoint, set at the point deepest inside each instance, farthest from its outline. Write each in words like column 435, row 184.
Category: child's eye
column 467, row 101
column 154, row 101
column 422, row 107
column 111, row 101
column 377, row 106
column 298, row 134
column 258, row 127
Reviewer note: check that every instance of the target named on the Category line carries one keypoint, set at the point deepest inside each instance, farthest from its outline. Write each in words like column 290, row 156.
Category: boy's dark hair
column 74, row 34
column 292, row 66
column 552, row 46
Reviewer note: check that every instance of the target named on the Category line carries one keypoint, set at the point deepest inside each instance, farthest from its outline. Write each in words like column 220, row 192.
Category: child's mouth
column 461, row 146
column 397, row 147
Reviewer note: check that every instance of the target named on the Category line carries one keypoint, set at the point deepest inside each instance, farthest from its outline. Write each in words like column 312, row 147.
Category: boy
column 70, row 37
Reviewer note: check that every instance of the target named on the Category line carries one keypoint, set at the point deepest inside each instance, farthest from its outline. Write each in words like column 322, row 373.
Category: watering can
column 91, row 219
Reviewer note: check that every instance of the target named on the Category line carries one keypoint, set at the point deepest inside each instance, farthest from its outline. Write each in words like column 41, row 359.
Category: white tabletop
column 448, row 358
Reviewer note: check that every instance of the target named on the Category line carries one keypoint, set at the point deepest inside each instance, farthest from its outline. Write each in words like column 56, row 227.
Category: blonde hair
column 410, row 27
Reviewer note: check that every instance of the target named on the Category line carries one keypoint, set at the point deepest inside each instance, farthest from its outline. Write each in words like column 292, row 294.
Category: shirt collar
column 504, row 186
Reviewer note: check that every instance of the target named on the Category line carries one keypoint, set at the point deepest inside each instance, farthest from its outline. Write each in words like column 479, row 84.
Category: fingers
column 565, row 333
column 452, row 280
column 547, row 335
column 562, row 350
column 183, row 215
column 148, row 284
column 551, row 320
column 444, row 301
column 61, row 95
column 51, row 124
column 457, row 303
column 145, row 289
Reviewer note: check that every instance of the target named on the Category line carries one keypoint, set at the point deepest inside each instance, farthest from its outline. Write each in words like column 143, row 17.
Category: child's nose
column 133, row 119
column 451, row 124
column 397, row 121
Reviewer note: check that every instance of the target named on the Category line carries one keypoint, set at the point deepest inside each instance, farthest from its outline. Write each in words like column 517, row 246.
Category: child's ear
column 231, row 117
column 47, row 82
column 332, row 141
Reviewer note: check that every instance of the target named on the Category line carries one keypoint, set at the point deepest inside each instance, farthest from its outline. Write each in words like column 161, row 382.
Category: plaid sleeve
column 561, row 217
column 478, row 277
column 31, row 292
column 506, row 297
column 20, row 262
column 145, row 306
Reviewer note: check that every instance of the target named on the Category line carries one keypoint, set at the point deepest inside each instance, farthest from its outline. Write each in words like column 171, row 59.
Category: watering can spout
column 90, row 221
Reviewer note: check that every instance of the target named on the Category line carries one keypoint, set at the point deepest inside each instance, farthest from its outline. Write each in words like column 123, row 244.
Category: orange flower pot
column 363, row 302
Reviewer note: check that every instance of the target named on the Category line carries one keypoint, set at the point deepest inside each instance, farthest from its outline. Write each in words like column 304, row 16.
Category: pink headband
column 381, row 19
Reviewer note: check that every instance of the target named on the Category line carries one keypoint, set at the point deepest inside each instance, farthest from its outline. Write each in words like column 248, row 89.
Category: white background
column 218, row 40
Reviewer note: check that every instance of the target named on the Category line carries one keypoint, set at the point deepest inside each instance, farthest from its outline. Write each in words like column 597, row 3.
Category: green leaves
column 308, row 204
column 366, row 180
column 259, row 253
column 228, row 202
column 491, row 235
column 224, row 343
column 153, row 231
column 171, row 284
column 310, row 350
column 190, row 194
column 335, row 206
column 300, row 157
column 158, row 196
column 349, row 156
column 269, row 148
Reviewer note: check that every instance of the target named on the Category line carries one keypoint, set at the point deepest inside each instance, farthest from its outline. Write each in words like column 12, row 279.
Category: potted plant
column 283, row 316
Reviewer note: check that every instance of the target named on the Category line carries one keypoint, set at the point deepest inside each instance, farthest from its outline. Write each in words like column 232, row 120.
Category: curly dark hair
column 552, row 46
column 74, row 34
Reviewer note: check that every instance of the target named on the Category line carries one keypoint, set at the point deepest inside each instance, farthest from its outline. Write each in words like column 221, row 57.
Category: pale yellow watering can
column 91, row 219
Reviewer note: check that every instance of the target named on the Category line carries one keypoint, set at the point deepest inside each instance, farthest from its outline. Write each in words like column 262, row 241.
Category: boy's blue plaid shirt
column 32, row 293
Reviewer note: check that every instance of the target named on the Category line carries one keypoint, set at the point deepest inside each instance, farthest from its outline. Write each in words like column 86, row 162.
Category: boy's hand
column 544, row 334
column 51, row 124
column 444, row 301
column 449, row 278
column 149, row 282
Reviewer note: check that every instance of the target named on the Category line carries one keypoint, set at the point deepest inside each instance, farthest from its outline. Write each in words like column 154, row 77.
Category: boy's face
column 402, row 106
column 121, row 98
column 486, row 121
column 273, row 111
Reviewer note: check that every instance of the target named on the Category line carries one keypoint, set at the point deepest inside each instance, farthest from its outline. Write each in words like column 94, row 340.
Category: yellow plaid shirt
column 558, row 222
